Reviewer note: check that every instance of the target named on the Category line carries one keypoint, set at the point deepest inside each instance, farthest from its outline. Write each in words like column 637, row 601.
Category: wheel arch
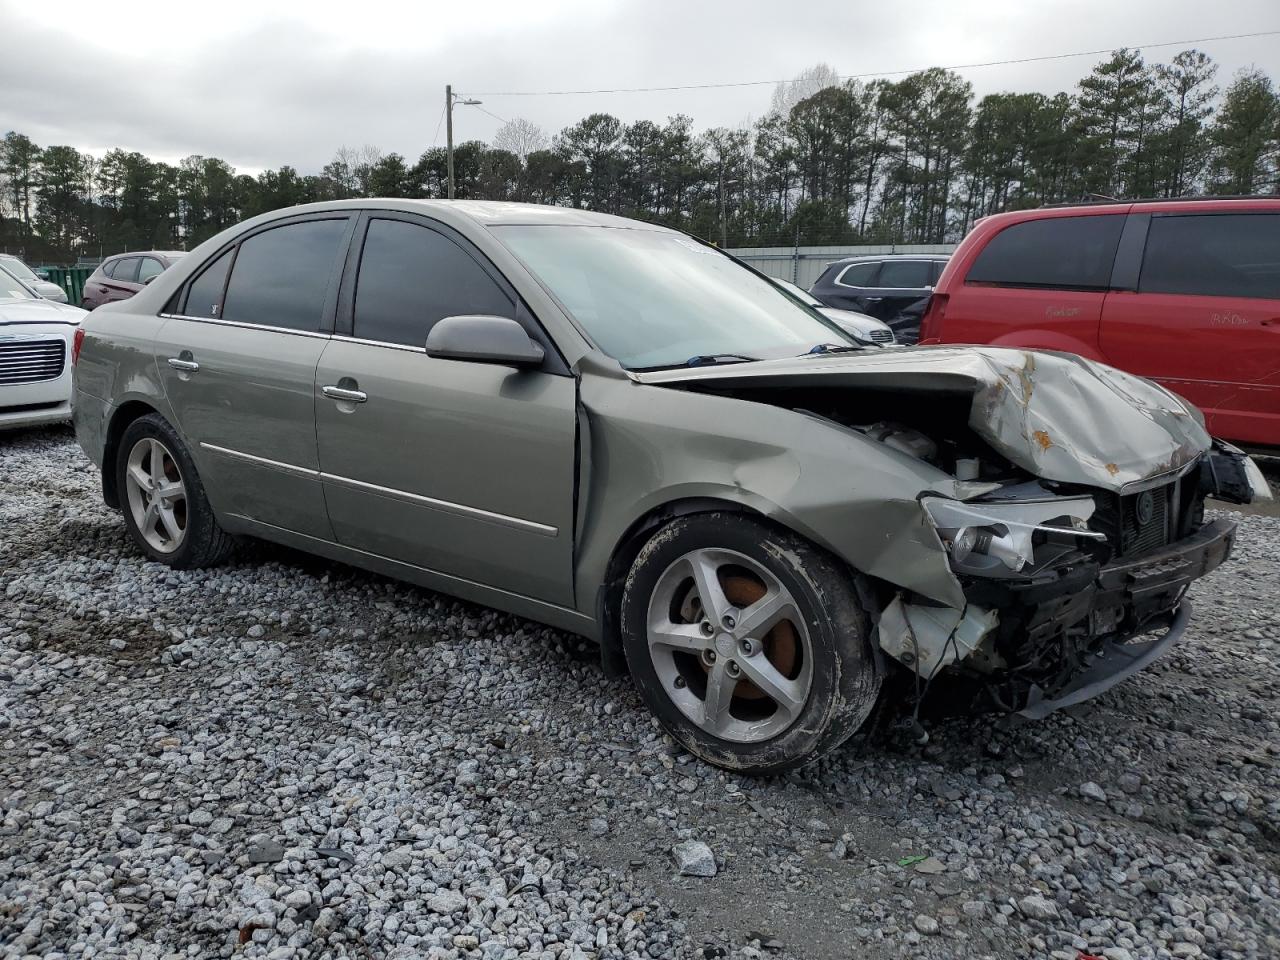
column 125, row 414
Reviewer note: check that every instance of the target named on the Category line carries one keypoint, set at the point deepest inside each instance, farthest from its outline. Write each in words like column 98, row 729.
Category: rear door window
column 858, row 274
column 151, row 267
column 125, row 270
column 902, row 274
column 204, row 298
column 1213, row 255
column 411, row 277
column 1063, row 253
column 282, row 276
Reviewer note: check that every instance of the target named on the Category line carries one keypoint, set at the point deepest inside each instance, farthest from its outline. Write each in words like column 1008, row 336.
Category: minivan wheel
column 164, row 504
column 747, row 642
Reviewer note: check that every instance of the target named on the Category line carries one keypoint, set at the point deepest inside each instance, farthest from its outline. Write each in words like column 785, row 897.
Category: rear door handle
column 189, row 366
column 873, row 299
column 342, row 393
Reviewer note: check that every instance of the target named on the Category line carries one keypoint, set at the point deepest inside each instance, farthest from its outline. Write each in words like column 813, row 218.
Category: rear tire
column 775, row 669
column 163, row 500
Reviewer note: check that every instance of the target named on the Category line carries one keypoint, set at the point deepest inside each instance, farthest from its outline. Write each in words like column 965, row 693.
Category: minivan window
column 151, row 267
column 411, row 277
column 1213, row 255
column 282, row 275
column 900, row 274
column 858, row 274
column 204, row 298
column 1065, row 253
column 125, row 270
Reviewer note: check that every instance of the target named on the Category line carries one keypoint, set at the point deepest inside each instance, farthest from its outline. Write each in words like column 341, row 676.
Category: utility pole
column 449, row 97
column 448, row 123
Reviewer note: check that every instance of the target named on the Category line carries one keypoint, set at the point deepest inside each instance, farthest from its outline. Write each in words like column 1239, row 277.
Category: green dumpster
column 71, row 279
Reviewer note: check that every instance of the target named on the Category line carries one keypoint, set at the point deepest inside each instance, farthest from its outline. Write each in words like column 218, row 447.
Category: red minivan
column 1185, row 292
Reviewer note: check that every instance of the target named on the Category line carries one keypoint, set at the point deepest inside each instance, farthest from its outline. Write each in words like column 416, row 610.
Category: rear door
column 459, row 467
column 1038, row 283
column 1203, row 317
column 852, row 287
column 122, row 281
column 238, row 363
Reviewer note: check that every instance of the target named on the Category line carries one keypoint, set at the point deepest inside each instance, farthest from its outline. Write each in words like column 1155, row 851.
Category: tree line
column 914, row 160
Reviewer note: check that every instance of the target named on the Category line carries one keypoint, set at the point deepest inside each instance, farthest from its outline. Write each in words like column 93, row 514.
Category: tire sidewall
column 837, row 633
column 199, row 513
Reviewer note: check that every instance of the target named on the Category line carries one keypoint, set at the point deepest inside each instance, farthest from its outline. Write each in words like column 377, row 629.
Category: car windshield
column 18, row 268
column 649, row 298
column 11, row 288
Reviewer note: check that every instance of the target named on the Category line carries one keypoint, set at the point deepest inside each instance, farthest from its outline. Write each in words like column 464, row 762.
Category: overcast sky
column 262, row 84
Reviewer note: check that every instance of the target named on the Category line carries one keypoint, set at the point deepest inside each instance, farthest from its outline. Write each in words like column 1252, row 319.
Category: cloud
column 264, row 85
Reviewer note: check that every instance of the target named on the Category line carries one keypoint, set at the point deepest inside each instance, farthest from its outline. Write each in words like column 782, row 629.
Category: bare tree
column 521, row 137
column 790, row 92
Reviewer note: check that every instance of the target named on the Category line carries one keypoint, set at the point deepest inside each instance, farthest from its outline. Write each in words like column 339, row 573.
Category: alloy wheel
column 730, row 645
column 157, row 495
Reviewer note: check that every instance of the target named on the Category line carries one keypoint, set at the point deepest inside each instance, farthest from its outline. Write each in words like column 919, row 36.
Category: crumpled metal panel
column 841, row 489
column 1057, row 415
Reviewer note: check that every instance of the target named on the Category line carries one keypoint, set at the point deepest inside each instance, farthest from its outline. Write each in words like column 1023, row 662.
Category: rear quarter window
column 1213, row 255
column 1065, row 253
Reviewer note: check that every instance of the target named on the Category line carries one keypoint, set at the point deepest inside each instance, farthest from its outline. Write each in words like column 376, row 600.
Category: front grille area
column 30, row 361
column 1144, row 521
column 882, row 336
column 1135, row 523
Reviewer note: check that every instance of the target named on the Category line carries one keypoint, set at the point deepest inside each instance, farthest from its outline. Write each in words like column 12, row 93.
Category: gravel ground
column 290, row 758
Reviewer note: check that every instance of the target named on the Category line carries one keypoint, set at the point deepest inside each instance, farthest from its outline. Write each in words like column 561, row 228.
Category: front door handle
column 873, row 299
column 343, row 393
column 187, row 366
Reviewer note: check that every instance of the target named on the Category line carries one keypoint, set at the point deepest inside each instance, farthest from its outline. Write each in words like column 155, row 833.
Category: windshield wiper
column 710, row 359
column 821, row 348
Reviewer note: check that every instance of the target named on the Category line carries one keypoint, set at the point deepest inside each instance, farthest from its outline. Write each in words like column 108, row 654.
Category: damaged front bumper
column 1057, row 636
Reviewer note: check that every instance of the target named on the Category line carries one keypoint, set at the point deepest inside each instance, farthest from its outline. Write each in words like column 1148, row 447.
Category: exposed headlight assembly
column 990, row 539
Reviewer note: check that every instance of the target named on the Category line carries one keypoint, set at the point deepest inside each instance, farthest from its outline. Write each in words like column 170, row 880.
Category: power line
column 877, row 73
column 436, row 139
column 490, row 113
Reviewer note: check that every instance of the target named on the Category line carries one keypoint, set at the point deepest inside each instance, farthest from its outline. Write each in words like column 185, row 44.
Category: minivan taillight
column 76, row 343
column 931, row 322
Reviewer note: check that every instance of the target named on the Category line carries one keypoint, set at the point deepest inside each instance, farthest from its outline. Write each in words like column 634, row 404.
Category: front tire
column 163, row 500
column 747, row 642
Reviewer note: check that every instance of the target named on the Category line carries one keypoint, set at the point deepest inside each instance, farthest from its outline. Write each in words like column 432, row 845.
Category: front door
column 238, row 364
column 462, row 468
column 1205, row 319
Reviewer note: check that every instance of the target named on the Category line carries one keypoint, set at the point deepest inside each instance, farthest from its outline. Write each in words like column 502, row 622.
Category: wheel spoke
column 172, row 488
column 170, row 523
column 678, row 636
column 707, row 579
column 763, row 615
column 157, row 464
column 149, row 518
column 715, row 705
column 140, row 476
column 787, row 694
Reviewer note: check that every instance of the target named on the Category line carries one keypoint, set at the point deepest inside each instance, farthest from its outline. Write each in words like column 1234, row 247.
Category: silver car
column 613, row 428
column 42, row 287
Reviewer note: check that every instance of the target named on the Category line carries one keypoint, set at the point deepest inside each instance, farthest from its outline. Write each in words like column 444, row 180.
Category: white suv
column 37, row 337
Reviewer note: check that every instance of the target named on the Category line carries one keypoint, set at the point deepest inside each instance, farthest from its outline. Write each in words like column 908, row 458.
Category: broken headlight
column 994, row 538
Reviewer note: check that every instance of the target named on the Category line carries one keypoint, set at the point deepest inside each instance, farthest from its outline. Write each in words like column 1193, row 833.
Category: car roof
column 485, row 213
column 877, row 257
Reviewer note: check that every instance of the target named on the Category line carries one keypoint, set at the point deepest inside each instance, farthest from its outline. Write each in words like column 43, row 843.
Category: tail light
column 76, row 343
column 931, row 322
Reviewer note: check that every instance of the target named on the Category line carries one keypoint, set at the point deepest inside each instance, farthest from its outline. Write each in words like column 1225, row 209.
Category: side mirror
column 483, row 339
column 149, row 279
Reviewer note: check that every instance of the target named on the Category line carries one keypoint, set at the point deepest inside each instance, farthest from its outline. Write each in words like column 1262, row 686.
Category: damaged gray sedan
column 612, row 428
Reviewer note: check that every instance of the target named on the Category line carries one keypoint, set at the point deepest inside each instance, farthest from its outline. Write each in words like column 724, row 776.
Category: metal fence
column 803, row 265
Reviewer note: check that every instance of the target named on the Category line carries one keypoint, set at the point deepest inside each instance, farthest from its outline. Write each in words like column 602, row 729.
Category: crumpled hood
column 1057, row 415
column 37, row 311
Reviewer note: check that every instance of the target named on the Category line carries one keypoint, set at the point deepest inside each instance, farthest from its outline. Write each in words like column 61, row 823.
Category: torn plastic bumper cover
column 1041, row 642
